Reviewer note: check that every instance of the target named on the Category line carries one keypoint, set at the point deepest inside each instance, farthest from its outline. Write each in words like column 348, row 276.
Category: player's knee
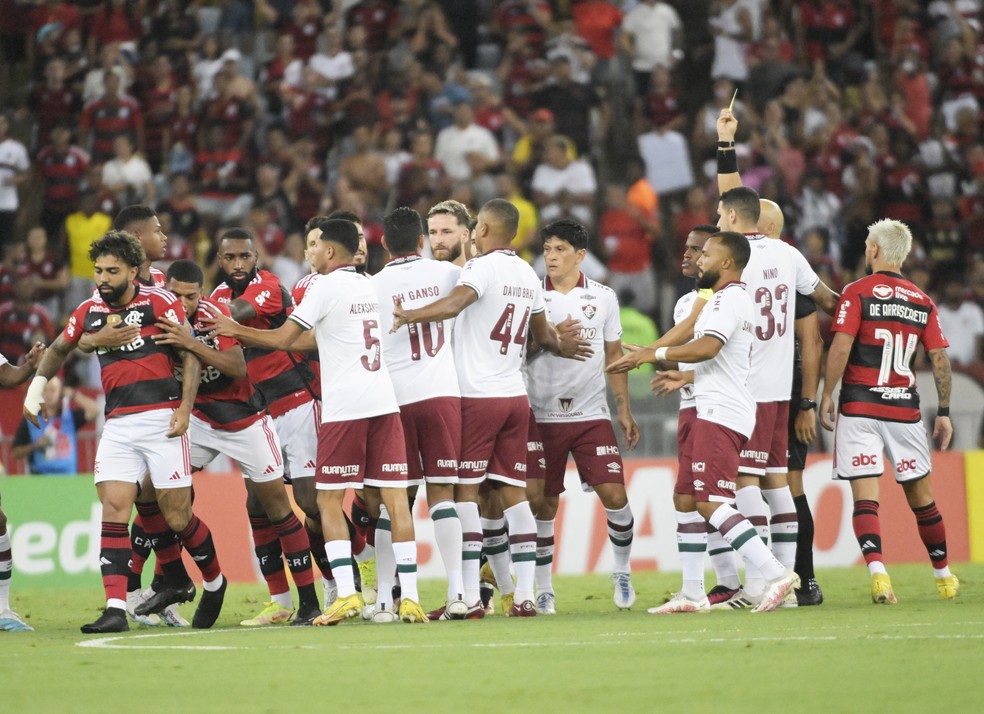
column 918, row 493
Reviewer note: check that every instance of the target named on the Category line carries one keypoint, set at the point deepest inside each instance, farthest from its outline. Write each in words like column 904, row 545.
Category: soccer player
column 142, row 222
column 570, row 406
column 449, row 232
column 881, row 320
column 11, row 376
column 498, row 298
column 723, row 353
column 147, row 416
column 283, row 379
column 229, row 418
column 360, row 441
column 361, row 258
column 421, row 365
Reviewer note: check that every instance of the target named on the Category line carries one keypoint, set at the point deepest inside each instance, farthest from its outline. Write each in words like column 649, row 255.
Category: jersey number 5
column 503, row 333
column 370, row 361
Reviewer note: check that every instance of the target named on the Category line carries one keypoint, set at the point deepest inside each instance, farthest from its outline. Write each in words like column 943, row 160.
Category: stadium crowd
column 242, row 146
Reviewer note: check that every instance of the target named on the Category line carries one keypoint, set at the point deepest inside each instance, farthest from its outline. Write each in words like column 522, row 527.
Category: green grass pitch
column 922, row 655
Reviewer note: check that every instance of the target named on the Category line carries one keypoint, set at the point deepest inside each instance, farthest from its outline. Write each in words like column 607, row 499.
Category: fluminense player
column 881, row 321
column 230, row 418
column 147, row 416
column 360, row 440
column 284, row 380
column 570, row 406
column 421, row 365
column 11, row 376
column 722, row 354
column 497, row 300
column 449, row 232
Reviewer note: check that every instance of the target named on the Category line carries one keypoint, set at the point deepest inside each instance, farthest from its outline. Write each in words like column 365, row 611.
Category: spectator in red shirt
column 627, row 244
column 23, row 322
column 62, row 167
column 230, row 113
column 53, row 102
column 304, row 27
column 115, row 21
column 47, row 274
column 423, row 175
column 379, row 19
column 532, row 18
column 158, row 104
column 659, row 110
column 597, row 21
column 111, row 115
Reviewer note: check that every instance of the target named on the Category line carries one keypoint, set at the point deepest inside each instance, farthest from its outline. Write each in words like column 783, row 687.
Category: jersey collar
column 582, row 282
column 403, row 259
column 507, row 251
column 891, row 273
column 733, row 282
column 754, row 235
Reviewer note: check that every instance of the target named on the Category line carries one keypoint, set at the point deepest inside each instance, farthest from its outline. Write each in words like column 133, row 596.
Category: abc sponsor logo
column 905, row 466
column 864, row 460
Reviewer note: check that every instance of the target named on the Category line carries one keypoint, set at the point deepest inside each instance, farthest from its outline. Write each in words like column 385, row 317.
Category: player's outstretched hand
column 828, row 412
column 179, row 422
column 399, row 316
column 572, row 345
column 943, row 431
column 219, row 324
column 113, row 336
column 806, row 426
column 173, row 333
column 630, row 430
column 727, row 125
column 633, row 357
column 668, row 381
column 35, row 355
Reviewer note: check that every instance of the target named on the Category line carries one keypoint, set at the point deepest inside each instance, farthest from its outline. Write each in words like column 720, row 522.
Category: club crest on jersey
column 882, row 292
column 566, row 404
column 589, row 311
column 133, row 319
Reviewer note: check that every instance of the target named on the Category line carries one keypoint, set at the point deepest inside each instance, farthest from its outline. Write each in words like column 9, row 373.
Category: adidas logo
column 309, row 464
column 269, row 470
column 199, row 558
column 937, row 553
column 103, row 560
column 868, row 545
column 175, row 477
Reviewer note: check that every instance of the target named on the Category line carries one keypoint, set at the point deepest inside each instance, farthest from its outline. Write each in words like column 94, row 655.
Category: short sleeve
column 173, row 311
column 316, row 303
column 847, row 318
column 539, row 304
column 722, row 317
column 222, row 342
column 806, row 278
column 477, row 275
column 263, row 297
column 933, row 337
column 613, row 321
column 76, row 324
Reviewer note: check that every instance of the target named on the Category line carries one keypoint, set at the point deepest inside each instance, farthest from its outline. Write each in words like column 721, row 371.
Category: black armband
column 726, row 144
column 727, row 161
column 943, row 411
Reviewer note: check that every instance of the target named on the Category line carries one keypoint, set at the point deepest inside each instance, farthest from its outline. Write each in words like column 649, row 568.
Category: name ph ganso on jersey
column 514, row 291
column 363, row 308
column 418, row 293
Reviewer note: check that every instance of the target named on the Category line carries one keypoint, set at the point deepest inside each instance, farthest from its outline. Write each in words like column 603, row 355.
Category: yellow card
column 732, row 105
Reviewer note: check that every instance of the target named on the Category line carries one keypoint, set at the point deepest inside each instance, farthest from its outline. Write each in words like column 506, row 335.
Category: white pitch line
column 123, row 642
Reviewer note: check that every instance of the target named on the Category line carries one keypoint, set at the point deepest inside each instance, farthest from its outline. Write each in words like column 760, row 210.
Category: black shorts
column 796, row 449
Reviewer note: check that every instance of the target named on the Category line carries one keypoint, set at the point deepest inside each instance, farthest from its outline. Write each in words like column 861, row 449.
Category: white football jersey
column 681, row 311
column 343, row 310
column 418, row 356
column 774, row 274
column 563, row 390
column 721, row 384
column 490, row 334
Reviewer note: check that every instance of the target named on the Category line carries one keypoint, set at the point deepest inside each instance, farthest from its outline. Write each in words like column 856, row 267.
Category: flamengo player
column 497, row 299
column 571, row 409
column 881, row 320
column 721, row 352
column 11, row 376
column 421, row 365
column 229, row 418
column 360, row 441
column 284, row 380
column 147, row 412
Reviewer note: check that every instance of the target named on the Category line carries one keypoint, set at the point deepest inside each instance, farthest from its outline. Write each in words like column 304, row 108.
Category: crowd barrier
column 54, row 522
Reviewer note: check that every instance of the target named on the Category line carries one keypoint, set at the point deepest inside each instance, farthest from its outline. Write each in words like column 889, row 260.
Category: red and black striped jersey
column 107, row 120
column 139, row 376
column 283, row 379
column 157, row 279
column 297, row 294
column 889, row 317
column 225, row 403
column 63, row 174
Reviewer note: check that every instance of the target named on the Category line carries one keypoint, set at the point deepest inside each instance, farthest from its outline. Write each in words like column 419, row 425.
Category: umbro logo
column 614, row 467
column 698, row 485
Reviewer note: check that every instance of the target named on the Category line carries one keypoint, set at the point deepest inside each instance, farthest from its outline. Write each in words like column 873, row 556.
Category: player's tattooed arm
column 837, row 356
column 825, row 298
column 444, row 309
column 620, row 388
column 943, row 374
column 110, row 336
column 50, row 363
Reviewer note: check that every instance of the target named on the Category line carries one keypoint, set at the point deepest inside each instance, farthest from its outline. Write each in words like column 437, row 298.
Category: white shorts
column 298, row 432
column 859, row 443
column 256, row 448
column 133, row 444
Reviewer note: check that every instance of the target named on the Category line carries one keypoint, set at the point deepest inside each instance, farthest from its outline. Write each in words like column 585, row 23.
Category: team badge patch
column 589, row 311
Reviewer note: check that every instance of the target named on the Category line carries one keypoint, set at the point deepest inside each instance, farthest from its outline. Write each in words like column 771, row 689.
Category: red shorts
column 432, row 429
column 593, row 446
column 494, row 431
column 685, row 427
column 370, row 452
column 765, row 451
column 536, row 463
column 715, row 474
